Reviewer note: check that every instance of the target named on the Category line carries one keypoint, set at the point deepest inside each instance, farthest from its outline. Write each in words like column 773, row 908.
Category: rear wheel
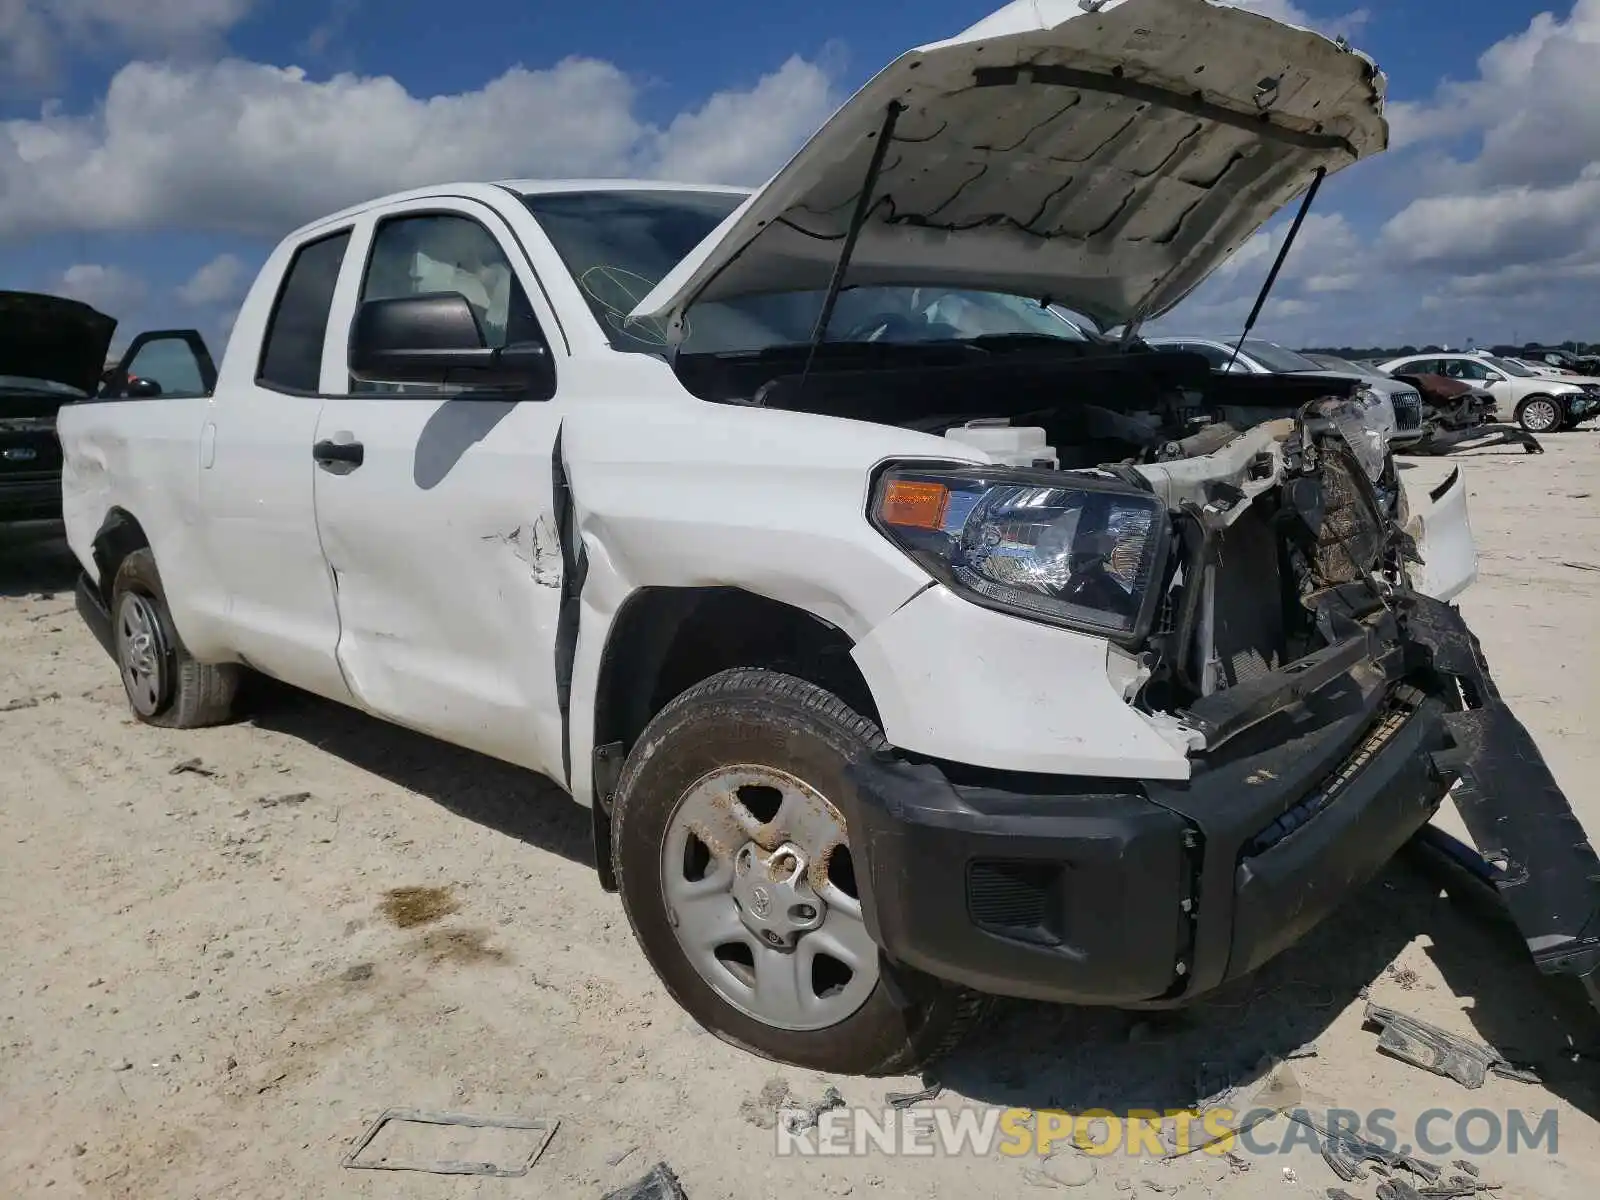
column 1540, row 414
column 734, row 864
column 164, row 683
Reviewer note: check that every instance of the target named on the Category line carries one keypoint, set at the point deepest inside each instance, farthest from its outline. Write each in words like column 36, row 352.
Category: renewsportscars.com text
column 1017, row 1132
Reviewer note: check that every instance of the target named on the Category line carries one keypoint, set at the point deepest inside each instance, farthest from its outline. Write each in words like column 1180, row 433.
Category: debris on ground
column 1470, row 1168
column 660, row 1184
column 192, row 766
column 1276, row 1090
column 1431, row 1048
column 1307, row 1050
column 907, row 1099
column 1581, row 566
column 616, row 1156
column 1456, row 1188
column 542, row 1129
column 1289, row 1175
column 797, row 1118
column 1397, row 1189
column 283, row 798
column 1347, row 1153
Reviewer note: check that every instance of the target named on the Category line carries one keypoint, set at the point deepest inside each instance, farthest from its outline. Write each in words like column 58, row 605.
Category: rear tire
column 164, row 683
column 722, row 762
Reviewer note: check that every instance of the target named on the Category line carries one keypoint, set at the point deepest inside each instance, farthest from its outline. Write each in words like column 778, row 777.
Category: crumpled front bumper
column 1126, row 892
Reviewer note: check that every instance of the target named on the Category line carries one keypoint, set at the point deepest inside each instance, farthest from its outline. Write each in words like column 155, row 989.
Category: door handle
column 328, row 454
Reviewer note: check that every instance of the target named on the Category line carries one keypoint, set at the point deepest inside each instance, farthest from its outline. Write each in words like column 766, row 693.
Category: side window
column 291, row 354
column 170, row 364
column 1417, row 366
column 1215, row 355
column 444, row 252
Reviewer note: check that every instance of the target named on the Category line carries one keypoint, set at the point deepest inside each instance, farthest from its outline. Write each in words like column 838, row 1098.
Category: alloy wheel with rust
column 760, row 890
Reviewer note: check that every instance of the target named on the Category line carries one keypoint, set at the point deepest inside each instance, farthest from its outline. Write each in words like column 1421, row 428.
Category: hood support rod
column 857, row 219
column 1277, row 265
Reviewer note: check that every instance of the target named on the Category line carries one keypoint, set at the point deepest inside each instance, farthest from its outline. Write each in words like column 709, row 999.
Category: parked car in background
column 52, row 354
column 51, row 349
column 1540, row 403
column 1542, row 358
column 1260, row 357
column 1451, row 409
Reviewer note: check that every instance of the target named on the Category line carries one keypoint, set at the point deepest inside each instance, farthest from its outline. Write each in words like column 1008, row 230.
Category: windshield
column 22, row 383
column 1329, row 362
column 1509, row 367
column 1278, row 359
column 618, row 245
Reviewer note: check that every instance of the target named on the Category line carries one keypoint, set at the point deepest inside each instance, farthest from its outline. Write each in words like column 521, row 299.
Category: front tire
column 1541, row 414
column 165, row 685
column 735, row 872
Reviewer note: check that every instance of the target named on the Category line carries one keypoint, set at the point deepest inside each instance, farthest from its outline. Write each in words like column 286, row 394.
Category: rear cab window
column 291, row 351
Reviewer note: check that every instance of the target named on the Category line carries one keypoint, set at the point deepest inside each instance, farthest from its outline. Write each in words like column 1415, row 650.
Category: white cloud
column 222, row 279
column 243, row 147
column 34, row 32
column 112, row 290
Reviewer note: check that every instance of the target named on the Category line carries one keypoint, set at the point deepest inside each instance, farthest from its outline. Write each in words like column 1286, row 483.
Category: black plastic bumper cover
column 1121, row 892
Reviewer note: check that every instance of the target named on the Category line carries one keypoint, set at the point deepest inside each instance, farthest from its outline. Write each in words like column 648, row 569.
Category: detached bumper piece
column 1100, row 891
column 1545, row 869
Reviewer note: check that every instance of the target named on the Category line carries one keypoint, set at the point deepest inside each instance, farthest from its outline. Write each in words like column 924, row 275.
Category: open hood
column 1105, row 154
column 53, row 338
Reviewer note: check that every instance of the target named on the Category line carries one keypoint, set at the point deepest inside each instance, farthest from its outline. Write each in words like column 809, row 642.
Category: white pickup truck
column 908, row 643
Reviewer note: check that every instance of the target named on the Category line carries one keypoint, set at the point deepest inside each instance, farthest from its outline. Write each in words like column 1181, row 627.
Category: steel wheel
column 1541, row 415
column 760, row 892
column 142, row 653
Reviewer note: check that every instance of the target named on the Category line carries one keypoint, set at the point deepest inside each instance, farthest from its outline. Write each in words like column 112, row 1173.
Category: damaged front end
column 1265, row 609
column 1239, row 672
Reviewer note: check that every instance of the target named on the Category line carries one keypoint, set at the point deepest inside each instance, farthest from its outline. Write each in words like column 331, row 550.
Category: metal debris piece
column 1470, row 1168
column 1581, row 566
column 1347, row 1154
column 660, row 1184
column 907, row 1099
column 1431, row 1048
column 191, row 766
column 1307, row 1050
column 616, row 1156
column 538, row 1125
column 1397, row 1189
column 1458, row 1187
column 1339, row 1194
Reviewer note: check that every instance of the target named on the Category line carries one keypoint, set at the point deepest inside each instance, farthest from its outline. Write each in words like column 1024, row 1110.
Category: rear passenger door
column 256, row 495
column 440, row 530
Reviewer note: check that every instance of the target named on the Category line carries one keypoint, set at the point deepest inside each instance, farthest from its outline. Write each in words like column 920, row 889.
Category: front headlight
column 1072, row 550
column 1367, row 424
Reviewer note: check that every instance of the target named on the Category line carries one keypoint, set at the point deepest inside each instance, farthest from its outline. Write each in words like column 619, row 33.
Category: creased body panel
column 677, row 493
column 142, row 457
column 956, row 681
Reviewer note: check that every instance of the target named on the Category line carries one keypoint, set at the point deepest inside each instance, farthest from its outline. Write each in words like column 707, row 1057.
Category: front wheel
column 1540, row 414
column 734, row 864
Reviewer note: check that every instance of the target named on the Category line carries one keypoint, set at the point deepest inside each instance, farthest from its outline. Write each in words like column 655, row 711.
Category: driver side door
column 436, row 507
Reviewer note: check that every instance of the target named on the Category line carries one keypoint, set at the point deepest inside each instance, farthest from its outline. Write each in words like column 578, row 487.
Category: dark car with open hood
column 53, row 353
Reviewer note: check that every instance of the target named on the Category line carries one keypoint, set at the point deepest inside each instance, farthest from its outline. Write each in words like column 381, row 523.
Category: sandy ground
column 203, row 995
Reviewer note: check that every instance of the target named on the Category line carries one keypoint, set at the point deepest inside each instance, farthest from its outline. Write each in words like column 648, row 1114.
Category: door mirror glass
column 435, row 339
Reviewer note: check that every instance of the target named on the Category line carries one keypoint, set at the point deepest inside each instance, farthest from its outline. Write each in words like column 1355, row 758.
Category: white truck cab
column 908, row 644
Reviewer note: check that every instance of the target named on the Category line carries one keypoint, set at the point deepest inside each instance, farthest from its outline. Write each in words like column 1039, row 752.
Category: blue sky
column 148, row 161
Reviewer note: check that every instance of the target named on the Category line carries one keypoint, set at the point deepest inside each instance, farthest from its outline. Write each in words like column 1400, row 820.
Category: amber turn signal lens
column 915, row 504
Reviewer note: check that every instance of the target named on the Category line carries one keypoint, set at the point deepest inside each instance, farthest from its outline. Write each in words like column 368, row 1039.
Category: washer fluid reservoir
column 1010, row 445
